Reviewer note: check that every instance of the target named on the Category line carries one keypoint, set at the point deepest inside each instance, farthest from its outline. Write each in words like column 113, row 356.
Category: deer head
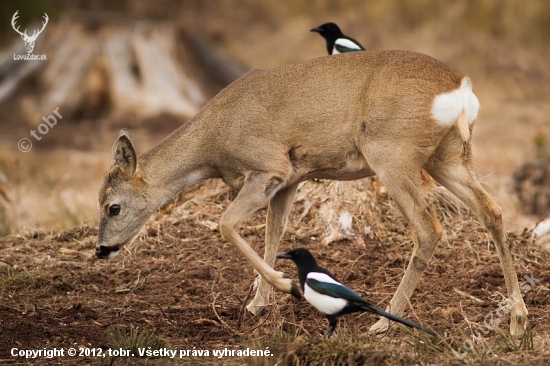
column 29, row 41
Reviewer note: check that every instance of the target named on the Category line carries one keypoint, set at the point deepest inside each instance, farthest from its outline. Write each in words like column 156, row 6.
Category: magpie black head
column 329, row 31
column 305, row 262
column 300, row 256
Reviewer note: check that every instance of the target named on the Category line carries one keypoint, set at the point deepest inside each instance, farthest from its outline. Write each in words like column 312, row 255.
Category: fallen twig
column 241, row 310
column 464, row 294
column 218, row 316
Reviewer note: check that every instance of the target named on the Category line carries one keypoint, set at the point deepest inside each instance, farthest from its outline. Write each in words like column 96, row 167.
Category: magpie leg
column 277, row 214
column 332, row 321
column 461, row 180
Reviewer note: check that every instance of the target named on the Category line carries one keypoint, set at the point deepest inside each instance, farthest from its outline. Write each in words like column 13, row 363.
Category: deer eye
column 114, row 210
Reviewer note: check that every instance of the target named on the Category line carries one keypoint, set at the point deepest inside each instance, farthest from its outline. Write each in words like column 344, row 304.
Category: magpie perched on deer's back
column 323, row 290
column 337, row 42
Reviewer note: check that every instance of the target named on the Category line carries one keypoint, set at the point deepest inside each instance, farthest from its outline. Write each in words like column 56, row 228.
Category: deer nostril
column 101, row 251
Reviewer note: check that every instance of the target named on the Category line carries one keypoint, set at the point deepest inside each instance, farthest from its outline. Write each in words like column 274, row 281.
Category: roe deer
column 348, row 116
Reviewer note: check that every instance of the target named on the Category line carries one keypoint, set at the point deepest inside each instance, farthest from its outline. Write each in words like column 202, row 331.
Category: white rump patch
column 447, row 107
column 542, row 228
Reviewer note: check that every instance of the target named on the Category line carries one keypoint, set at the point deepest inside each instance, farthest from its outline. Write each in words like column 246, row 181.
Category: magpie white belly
column 325, row 304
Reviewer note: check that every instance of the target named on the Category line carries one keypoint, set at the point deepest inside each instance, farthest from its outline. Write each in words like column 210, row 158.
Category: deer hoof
column 285, row 284
column 518, row 324
column 255, row 309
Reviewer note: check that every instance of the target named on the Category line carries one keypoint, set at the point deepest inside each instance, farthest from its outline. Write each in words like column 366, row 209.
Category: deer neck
column 176, row 163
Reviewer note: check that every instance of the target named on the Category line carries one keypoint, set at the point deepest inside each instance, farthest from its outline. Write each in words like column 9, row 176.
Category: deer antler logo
column 29, row 41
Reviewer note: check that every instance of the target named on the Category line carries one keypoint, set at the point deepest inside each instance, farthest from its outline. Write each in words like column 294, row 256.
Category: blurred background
column 150, row 66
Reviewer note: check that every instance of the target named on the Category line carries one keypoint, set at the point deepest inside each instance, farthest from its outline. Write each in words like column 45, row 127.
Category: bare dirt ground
column 185, row 286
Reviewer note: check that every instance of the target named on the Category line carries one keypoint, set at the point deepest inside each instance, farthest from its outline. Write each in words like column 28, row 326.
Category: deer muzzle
column 105, row 252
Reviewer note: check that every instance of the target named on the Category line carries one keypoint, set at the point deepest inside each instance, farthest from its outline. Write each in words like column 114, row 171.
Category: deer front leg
column 255, row 193
column 277, row 215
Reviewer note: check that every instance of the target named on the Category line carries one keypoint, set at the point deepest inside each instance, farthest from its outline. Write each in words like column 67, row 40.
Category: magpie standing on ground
column 337, row 42
column 322, row 290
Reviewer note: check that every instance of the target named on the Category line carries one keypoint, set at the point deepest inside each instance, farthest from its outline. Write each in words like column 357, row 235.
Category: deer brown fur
column 349, row 116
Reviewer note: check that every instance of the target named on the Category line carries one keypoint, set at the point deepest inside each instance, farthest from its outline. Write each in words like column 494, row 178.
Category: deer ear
column 124, row 153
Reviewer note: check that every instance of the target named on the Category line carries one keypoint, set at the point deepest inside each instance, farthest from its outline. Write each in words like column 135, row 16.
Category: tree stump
column 101, row 64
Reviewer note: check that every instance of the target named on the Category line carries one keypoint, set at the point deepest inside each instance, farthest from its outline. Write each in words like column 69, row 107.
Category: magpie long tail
column 398, row 319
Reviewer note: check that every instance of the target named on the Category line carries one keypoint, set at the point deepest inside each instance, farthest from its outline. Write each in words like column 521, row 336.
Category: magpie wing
column 335, row 290
column 344, row 45
column 344, row 49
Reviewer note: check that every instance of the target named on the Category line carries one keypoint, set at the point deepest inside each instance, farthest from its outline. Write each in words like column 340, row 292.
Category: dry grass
column 133, row 340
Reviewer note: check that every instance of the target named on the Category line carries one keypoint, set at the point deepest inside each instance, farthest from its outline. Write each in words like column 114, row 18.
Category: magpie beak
column 294, row 292
column 323, row 290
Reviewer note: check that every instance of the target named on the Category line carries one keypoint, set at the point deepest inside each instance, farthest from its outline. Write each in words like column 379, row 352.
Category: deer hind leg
column 277, row 214
column 459, row 178
column 404, row 185
column 257, row 190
